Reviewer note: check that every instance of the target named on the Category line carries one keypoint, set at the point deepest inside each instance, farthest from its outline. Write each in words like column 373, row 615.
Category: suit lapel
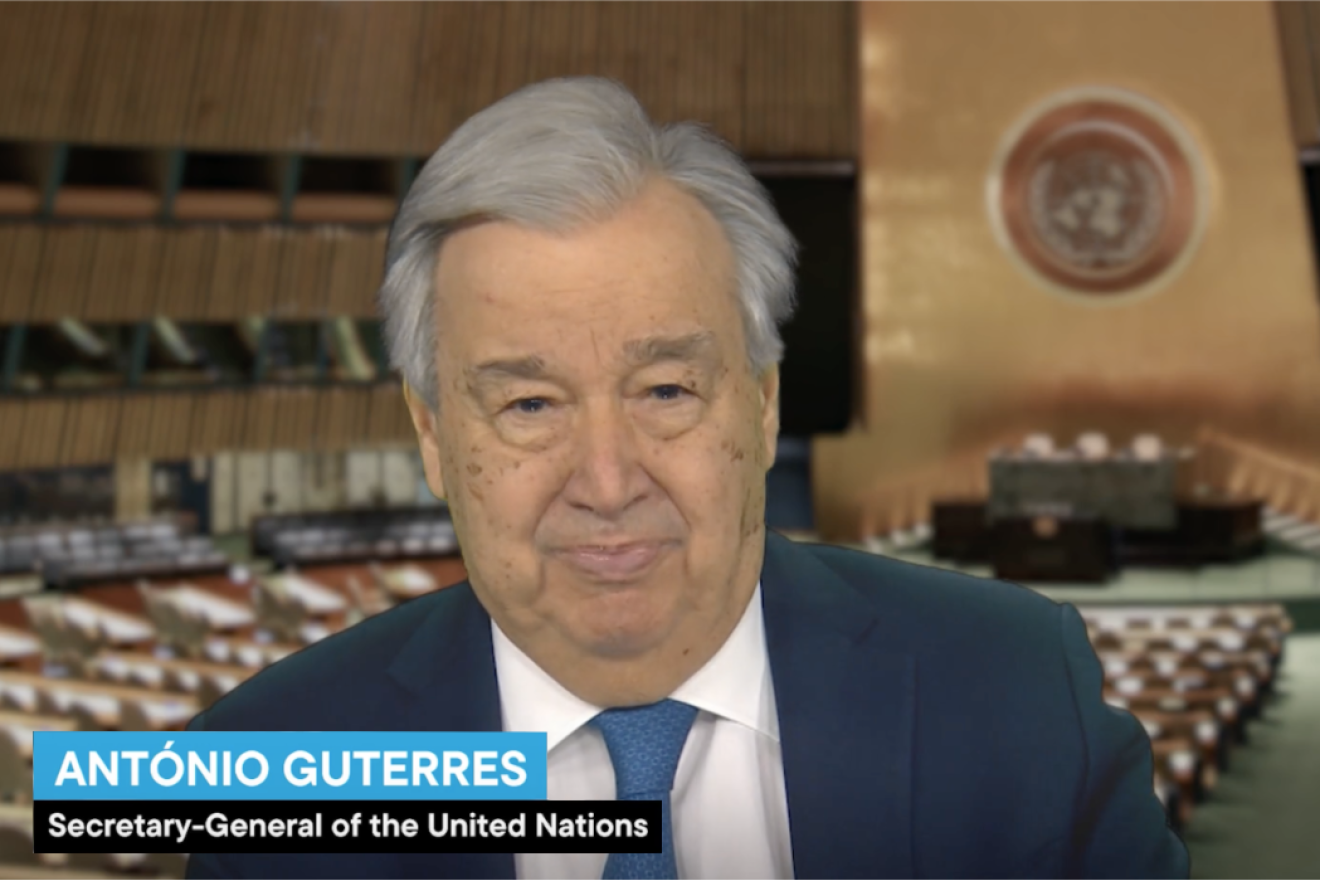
column 449, row 668
column 846, row 708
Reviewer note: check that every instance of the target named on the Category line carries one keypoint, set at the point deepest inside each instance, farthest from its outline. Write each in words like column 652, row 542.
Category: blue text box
column 394, row 765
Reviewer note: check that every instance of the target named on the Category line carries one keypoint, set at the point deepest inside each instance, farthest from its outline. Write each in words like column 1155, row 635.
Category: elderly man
column 584, row 307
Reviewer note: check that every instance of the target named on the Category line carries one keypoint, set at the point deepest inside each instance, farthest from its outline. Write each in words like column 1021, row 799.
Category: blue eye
column 668, row 392
column 529, row 405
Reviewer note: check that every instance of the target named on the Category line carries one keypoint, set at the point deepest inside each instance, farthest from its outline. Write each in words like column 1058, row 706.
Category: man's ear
column 769, row 387
column 423, row 420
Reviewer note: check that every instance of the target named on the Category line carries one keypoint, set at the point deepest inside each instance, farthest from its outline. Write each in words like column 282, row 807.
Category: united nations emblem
column 1099, row 191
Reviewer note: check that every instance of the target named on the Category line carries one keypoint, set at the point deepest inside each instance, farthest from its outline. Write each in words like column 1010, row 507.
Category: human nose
column 608, row 477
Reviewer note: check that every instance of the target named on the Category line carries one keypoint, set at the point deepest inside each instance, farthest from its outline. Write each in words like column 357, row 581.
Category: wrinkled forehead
column 653, row 277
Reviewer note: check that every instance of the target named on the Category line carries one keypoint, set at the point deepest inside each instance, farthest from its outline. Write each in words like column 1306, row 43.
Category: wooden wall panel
column 259, row 295
column 20, row 256
column 61, row 273
column 614, row 33
column 396, row 78
column 172, row 426
column 141, row 284
column 294, row 425
column 13, row 304
column 344, row 45
column 219, row 422
column 135, row 438
column 707, row 78
column 92, row 430
column 301, row 288
column 798, row 104
column 309, row 62
column 57, row 43
column 262, row 411
column 15, row 42
column 389, row 421
column 216, row 105
column 357, row 428
column 558, row 39
column 179, row 41
column 184, row 280
column 331, row 419
column 41, row 433
column 11, row 431
column 385, row 85
column 260, row 104
column 1299, row 39
column 106, row 297
column 202, row 273
column 343, row 418
column 109, row 74
column 481, row 81
column 357, row 264
column 30, row 244
column 235, row 250
column 444, row 58
column 372, row 273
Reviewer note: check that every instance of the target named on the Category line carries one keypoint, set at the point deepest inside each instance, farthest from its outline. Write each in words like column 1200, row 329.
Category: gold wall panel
column 1245, row 469
column 963, row 351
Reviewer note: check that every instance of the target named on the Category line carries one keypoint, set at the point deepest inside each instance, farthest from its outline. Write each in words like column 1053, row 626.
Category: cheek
column 502, row 498
column 747, row 462
column 720, row 485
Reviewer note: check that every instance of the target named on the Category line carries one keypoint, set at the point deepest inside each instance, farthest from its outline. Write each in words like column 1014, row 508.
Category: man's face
column 600, row 436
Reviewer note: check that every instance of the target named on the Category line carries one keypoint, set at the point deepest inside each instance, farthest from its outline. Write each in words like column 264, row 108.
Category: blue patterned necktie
column 645, row 743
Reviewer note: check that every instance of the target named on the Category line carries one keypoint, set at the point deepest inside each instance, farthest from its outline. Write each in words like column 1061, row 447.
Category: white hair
column 556, row 155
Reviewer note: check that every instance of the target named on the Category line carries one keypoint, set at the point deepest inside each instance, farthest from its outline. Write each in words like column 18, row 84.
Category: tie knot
column 645, row 743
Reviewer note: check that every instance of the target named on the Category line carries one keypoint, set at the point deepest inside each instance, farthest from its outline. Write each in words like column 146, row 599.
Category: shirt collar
column 734, row 684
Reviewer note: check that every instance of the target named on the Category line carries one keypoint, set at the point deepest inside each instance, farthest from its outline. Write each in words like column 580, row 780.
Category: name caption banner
column 287, row 766
column 343, row 826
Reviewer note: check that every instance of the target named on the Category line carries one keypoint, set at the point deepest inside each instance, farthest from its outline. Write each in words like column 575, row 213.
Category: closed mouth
column 614, row 562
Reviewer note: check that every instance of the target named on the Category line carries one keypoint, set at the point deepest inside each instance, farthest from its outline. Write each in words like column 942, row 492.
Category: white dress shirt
column 730, row 811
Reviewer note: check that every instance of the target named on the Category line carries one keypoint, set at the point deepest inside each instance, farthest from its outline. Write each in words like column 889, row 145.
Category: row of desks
column 128, row 668
column 1193, row 676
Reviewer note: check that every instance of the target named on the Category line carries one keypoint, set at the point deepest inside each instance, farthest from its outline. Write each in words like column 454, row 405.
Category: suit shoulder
column 959, row 602
column 976, row 641
column 352, row 665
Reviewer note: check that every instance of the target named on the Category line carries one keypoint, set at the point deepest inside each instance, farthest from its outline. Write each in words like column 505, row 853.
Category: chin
column 623, row 646
column 625, row 628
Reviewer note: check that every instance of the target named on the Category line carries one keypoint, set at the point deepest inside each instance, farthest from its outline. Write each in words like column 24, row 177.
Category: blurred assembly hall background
column 1059, row 324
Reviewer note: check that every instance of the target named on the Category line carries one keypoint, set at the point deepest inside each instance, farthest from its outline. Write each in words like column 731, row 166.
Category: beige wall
column 309, row 482
column 132, row 489
column 963, row 350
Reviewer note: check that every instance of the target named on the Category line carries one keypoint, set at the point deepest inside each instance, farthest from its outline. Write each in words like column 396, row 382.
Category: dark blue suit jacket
column 932, row 725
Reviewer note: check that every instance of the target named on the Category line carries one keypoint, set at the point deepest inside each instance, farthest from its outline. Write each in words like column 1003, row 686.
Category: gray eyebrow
column 532, row 367
column 691, row 347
